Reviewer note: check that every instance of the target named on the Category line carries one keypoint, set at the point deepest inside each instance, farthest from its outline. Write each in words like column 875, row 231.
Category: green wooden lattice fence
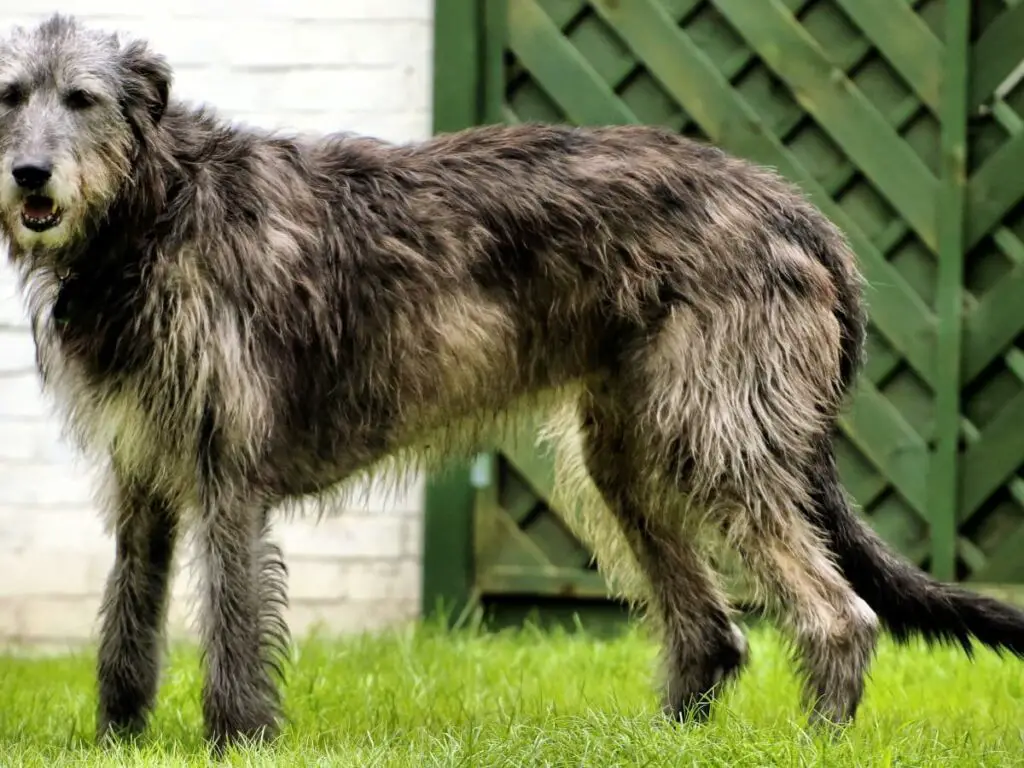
column 904, row 122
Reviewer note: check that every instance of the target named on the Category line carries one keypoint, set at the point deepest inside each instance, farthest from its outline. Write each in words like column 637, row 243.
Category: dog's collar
column 61, row 306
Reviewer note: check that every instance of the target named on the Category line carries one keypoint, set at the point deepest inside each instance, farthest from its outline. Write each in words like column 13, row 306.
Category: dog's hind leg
column 134, row 607
column 244, row 634
column 703, row 649
column 739, row 398
column 834, row 630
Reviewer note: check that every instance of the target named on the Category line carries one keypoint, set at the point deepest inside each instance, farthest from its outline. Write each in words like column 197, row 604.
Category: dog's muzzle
column 39, row 212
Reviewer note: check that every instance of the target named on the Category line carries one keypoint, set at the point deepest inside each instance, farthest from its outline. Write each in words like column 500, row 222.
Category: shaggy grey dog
column 232, row 319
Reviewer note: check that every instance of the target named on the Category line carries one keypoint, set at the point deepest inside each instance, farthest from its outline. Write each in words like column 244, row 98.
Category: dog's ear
column 147, row 79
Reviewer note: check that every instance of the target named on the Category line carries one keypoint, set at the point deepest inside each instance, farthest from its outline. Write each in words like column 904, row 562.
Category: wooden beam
column 449, row 500
column 457, row 72
column 944, row 479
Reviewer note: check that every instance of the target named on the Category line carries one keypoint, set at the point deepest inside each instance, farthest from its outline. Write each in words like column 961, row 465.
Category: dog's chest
column 123, row 423
column 133, row 430
column 124, row 412
column 96, row 323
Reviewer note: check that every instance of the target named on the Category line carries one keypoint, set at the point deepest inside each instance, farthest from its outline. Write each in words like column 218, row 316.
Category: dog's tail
column 907, row 600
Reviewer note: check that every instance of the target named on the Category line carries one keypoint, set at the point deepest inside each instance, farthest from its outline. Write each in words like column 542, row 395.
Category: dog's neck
column 108, row 255
column 152, row 203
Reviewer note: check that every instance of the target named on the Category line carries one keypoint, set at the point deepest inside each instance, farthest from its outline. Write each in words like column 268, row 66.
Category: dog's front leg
column 242, row 629
column 134, row 606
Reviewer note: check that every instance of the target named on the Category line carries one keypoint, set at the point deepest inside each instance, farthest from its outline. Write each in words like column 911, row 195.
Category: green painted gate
column 904, row 121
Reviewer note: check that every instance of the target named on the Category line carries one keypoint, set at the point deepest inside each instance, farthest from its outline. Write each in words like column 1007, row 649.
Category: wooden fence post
column 450, row 497
column 944, row 484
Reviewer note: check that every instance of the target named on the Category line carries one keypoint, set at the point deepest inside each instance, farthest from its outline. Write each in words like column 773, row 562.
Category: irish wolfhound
column 232, row 319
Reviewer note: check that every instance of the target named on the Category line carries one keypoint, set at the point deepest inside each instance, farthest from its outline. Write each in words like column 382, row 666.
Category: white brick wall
column 359, row 65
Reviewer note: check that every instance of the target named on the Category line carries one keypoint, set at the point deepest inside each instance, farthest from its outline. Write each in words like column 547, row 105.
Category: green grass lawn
column 426, row 697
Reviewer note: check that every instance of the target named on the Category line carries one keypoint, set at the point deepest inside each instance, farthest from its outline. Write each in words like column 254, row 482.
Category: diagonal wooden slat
column 848, row 57
column 547, row 581
column 511, row 545
column 560, row 69
column 686, row 73
column 993, row 459
column 839, row 107
column 998, row 51
column 1011, row 246
column 559, row 544
column 993, row 324
column 1003, row 564
column 864, row 486
column 738, row 63
column 879, row 431
column 847, row 171
column 972, row 555
column 1007, row 119
column 905, row 40
column 561, row 12
column 512, row 491
column 994, row 189
column 534, row 467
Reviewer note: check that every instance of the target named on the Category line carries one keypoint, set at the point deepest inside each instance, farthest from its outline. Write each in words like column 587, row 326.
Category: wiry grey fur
column 232, row 320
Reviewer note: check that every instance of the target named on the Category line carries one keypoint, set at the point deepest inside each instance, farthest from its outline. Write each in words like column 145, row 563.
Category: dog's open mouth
column 39, row 213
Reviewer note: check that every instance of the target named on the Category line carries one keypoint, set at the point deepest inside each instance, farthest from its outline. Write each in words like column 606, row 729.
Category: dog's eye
column 11, row 96
column 79, row 99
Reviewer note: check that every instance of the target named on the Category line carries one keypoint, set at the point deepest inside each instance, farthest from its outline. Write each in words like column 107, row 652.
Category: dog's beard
column 41, row 222
column 32, row 235
column 40, row 213
column 48, row 218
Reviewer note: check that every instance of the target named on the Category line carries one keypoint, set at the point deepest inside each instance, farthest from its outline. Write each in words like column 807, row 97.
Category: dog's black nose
column 32, row 174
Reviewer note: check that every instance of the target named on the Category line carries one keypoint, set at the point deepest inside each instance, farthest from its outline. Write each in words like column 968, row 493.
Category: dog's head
column 75, row 106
